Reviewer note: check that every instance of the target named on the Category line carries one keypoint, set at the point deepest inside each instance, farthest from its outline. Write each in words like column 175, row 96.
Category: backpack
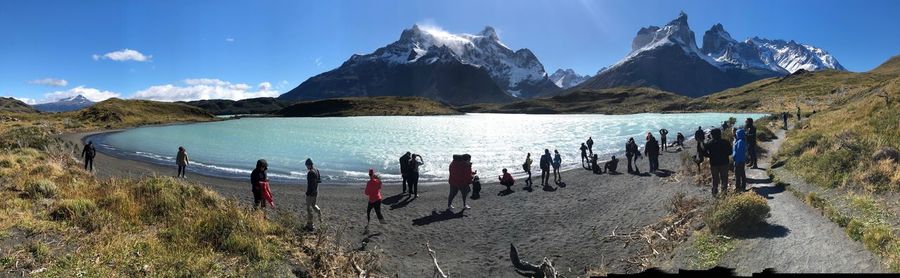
column 525, row 167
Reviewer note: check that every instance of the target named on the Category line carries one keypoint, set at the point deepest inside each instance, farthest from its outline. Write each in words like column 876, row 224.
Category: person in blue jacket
column 557, row 163
column 739, row 154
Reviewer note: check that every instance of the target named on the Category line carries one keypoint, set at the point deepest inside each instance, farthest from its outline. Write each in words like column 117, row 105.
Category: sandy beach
column 560, row 223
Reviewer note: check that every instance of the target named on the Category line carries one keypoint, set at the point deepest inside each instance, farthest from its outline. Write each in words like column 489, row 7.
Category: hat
column 309, row 162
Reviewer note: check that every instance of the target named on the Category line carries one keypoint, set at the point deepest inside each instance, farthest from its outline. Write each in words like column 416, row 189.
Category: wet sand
column 560, row 223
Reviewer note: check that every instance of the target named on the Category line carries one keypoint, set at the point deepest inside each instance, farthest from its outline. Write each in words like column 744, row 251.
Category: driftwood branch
column 437, row 268
column 545, row 269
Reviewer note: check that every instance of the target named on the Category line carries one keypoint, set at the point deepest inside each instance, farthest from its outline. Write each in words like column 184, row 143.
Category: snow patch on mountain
column 780, row 56
column 567, row 78
column 676, row 32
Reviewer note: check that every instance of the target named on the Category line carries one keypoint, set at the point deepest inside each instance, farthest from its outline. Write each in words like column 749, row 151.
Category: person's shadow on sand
column 505, row 192
column 528, row 188
column 393, row 199
column 549, row 188
column 403, row 203
column 662, row 173
column 641, row 174
column 561, row 184
column 438, row 217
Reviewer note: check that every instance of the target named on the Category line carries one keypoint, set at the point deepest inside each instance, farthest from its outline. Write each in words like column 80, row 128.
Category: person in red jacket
column 373, row 190
column 507, row 180
column 460, row 178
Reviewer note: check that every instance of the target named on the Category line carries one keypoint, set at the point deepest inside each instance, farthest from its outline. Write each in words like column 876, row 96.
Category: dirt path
column 798, row 238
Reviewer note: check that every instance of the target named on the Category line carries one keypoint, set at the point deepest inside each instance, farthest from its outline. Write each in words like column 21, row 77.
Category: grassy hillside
column 892, row 66
column 263, row 105
column 11, row 105
column 115, row 113
column 370, row 106
column 623, row 100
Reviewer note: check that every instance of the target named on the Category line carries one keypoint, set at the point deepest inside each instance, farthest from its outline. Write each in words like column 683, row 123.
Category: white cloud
column 205, row 88
column 29, row 101
column 90, row 93
column 319, row 62
column 50, row 82
column 124, row 55
column 229, row 39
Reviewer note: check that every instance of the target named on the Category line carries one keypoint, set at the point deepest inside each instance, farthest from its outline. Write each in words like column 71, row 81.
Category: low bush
column 81, row 212
column 855, row 229
column 737, row 213
column 877, row 237
column 41, row 188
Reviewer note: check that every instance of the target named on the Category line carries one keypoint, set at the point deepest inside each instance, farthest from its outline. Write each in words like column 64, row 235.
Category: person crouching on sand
column 507, row 180
column 460, row 178
column 257, row 178
column 373, row 190
column 594, row 166
column 182, row 161
column 313, row 178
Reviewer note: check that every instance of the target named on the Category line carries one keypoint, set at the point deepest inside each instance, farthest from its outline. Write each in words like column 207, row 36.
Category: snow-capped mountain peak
column 76, row 99
column 567, row 78
column 781, row 56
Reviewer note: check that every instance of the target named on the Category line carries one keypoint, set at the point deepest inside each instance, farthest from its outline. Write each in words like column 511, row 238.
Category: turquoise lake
column 345, row 148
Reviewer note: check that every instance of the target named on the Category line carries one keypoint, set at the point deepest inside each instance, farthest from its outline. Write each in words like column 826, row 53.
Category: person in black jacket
column 611, row 165
column 258, row 175
column 584, row 155
column 751, row 142
column 718, row 151
column 632, row 153
column 546, row 161
column 663, row 134
column 590, row 145
column 313, row 178
column 89, row 152
column 404, row 170
column 699, row 136
column 651, row 150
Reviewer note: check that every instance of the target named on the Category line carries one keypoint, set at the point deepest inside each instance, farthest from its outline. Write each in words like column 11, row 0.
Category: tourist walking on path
column 699, row 136
column 663, row 134
column 313, row 178
column 88, row 153
column 632, row 153
column 527, row 168
column 546, row 160
column 584, row 154
column 507, row 180
column 751, row 142
column 373, row 190
column 557, row 163
column 739, row 155
column 257, row 179
column 651, row 150
column 413, row 182
column 590, row 145
column 460, row 177
column 181, row 159
column 784, row 116
column 404, row 170
column 717, row 150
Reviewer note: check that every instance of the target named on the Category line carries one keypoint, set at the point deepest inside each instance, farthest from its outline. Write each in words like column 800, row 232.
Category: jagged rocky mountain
column 567, row 78
column 64, row 105
column 668, row 58
column 453, row 68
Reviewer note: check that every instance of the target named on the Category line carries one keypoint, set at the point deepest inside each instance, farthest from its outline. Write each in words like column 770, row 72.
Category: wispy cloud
column 318, row 61
column 53, row 82
column 205, row 88
column 229, row 39
column 90, row 93
column 123, row 55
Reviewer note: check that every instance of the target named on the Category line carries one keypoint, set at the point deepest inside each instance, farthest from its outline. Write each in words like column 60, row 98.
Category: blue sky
column 191, row 49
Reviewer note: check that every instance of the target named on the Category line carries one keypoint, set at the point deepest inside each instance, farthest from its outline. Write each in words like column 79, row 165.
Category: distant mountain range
column 567, row 78
column 64, row 105
column 452, row 68
column 668, row 58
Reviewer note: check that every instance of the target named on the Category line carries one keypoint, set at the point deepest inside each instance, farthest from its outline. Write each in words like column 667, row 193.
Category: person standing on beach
column 404, row 170
column 784, row 116
column 651, row 150
column 527, row 167
column 584, row 154
column 632, row 153
column 413, row 182
column 663, row 133
column 373, row 190
column 89, row 152
column 546, row 160
column 699, row 136
column 751, row 142
column 181, row 159
column 460, row 177
column 590, row 145
column 557, row 163
column 257, row 177
column 313, row 178
column 717, row 150
column 739, row 155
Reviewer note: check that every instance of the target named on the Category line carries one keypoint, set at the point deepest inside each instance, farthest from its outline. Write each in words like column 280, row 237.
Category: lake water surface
column 345, row 148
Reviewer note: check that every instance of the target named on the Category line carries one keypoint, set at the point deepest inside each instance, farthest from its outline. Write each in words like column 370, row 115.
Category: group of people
column 743, row 152
column 259, row 186
column 547, row 162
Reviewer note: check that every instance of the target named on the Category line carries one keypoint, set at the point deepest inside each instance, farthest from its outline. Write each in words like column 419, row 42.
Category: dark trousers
column 181, row 170
column 752, row 151
column 413, row 183
column 507, row 184
column 719, row 175
column 654, row 162
column 374, row 205
column 662, row 142
column 89, row 163
column 405, row 180
column 632, row 161
column 528, row 180
column 258, row 201
column 454, row 191
column 545, row 176
column 740, row 177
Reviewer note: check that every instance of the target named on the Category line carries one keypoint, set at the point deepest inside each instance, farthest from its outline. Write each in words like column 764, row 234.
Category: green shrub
column 39, row 251
column 814, row 200
column 855, row 229
column 876, row 237
column 229, row 231
column 41, row 189
column 737, row 213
